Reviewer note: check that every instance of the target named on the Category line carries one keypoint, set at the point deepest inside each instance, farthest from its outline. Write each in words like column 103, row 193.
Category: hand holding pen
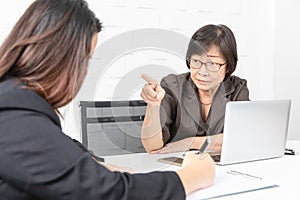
column 152, row 93
column 203, row 147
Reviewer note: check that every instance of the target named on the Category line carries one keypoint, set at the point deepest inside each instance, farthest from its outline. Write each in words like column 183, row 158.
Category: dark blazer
column 38, row 161
column 181, row 108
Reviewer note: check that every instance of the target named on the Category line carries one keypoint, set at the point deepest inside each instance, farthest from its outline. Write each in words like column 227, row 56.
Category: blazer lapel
column 190, row 103
column 220, row 100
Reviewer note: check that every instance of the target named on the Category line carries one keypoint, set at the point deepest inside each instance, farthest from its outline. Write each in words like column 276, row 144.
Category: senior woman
column 186, row 109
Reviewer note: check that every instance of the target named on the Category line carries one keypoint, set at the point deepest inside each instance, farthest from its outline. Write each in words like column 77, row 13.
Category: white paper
column 229, row 184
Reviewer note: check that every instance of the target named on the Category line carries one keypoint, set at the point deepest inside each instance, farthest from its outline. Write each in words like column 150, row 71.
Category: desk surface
column 284, row 171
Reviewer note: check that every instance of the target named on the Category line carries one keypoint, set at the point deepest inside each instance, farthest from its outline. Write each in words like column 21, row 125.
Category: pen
column 243, row 174
column 203, row 147
column 289, row 152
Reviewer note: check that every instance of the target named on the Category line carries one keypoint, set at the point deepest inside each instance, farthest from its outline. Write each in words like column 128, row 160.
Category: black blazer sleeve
column 83, row 148
column 39, row 162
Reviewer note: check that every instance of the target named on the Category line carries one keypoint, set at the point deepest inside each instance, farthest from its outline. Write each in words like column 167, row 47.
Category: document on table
column 230, row 184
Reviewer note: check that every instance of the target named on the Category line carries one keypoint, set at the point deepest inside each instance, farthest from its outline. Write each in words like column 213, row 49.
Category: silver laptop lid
column 254, row 130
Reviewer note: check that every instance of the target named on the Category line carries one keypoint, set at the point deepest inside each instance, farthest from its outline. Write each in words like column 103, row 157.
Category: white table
column 284, row 171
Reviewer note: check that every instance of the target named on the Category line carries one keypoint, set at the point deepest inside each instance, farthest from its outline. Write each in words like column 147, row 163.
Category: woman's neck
column 206, row 96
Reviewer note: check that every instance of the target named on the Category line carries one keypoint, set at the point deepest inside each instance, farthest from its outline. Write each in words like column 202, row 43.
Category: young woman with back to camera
column 43, row 63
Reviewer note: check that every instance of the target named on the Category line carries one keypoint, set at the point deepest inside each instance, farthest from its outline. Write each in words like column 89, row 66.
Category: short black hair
column 221, row 37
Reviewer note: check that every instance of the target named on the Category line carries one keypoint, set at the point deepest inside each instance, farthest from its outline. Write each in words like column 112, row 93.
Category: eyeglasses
column 209, row 66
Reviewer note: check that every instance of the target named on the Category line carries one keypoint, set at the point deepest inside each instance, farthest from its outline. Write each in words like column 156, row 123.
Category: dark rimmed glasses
column 209, row 66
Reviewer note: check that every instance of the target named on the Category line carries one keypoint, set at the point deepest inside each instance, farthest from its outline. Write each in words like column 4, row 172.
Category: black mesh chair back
column 112, row 127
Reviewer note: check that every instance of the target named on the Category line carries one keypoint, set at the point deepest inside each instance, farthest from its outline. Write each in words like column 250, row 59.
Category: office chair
column 112, row 127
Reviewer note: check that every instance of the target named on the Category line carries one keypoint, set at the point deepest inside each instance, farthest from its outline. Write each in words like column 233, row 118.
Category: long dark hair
column 48, row 49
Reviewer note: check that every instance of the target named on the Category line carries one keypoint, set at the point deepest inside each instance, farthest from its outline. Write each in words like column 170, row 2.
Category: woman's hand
column 198, row 171
column 152, row 93
column 186, row 144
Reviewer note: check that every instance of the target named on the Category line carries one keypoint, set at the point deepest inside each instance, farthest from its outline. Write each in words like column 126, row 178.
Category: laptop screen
column 254, row 130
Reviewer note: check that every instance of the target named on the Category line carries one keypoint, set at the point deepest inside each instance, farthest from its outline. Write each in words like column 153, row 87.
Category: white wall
column 287, row 59
column 151, row 36
column 10, row 13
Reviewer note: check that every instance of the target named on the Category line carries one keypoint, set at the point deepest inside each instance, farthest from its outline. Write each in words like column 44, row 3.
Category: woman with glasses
column 185, row 109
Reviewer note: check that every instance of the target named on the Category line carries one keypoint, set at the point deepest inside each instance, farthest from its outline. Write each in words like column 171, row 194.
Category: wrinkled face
column 208, row 70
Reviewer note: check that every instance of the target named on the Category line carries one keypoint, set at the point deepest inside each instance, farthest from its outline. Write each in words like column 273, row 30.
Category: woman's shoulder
column 236, row 88
column 175, row 79
column 16, row 97
column 236, row 81
column 177, row 85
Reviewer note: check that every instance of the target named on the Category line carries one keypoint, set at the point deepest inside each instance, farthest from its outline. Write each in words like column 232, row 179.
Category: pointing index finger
column 149, row 79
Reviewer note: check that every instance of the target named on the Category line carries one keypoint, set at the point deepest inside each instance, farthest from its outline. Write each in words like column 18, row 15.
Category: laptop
column 254, row 130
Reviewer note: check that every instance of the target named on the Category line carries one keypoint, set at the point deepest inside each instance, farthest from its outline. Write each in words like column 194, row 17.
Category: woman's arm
column 215, row 144
column 151, row 134
column 49, row 165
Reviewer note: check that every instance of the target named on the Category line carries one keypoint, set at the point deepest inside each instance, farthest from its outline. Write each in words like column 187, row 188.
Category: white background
column 267, row 33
